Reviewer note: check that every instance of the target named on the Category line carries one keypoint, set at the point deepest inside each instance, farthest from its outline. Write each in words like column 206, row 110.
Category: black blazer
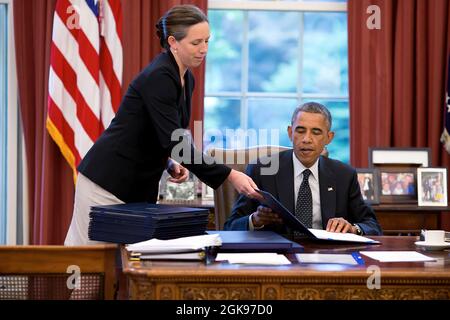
column 343, row 200
column 129, row 157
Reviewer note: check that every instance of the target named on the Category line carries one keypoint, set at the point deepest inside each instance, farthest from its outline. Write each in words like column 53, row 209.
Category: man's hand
column 177, row 172
column 340, row 225
column 244, row 184
column 264, row 216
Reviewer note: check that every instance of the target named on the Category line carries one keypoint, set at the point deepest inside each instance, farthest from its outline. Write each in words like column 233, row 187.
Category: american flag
column 445, row 138
column 85, row 74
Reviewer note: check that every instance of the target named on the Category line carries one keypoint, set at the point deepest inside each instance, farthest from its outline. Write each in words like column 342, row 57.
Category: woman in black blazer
column 126, row 163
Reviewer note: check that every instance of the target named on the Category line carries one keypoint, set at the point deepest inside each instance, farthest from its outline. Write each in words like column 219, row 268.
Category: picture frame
column 184, row 191
column 368, row 180
column 175, row 192
column 398, row 184
column 417, row 157
column 432, row 187
column 207, row 192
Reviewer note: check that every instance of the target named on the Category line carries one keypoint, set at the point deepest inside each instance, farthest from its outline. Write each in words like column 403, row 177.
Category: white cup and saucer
column 434, row 240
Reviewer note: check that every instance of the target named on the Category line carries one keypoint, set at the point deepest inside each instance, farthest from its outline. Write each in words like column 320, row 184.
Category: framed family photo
column 398, row 172
column 432, row 185
column 368, row 183
column 398, row 184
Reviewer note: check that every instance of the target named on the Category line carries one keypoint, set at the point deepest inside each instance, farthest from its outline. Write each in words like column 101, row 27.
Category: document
column 292, row 221
column 255, row 241
column 198, row 255
column 350, row 237
column 397, row 256
column 194, row 243
column 263, row 258
column 349, row 259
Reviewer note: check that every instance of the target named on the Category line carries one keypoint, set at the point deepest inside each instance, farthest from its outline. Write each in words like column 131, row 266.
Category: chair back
column 58, row 272
column 237, row 159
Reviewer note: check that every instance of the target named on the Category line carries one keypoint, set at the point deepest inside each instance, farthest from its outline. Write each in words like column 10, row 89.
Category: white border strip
column 11, row 202
column 400, row 156
column 277, row 5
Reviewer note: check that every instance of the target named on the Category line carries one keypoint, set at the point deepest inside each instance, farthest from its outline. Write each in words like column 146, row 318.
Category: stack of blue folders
column 135, row 222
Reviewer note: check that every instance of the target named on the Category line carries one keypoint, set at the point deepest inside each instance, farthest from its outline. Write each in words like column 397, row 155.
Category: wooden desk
column 223, row 281
column 406, row 219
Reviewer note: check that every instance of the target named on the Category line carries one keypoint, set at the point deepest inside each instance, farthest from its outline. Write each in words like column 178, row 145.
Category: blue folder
column 256, row 241
column 292, row 221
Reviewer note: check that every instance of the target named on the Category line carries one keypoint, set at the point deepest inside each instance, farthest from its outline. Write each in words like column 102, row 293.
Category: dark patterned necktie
column 303, row 207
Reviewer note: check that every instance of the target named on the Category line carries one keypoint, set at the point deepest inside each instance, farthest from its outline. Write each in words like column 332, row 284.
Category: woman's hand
column 177, row 172
column 244, row 184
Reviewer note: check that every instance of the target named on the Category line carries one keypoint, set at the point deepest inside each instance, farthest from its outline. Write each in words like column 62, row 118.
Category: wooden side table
column 407, row 219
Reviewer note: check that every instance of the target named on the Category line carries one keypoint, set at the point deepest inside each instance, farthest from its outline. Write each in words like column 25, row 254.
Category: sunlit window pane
column 223, row 63
column 269, row 114
column 220, row 114
column 325, row 66
column 273, row 51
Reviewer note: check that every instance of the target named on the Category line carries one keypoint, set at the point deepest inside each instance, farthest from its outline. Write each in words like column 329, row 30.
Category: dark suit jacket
column 129, row 157
column 344, row 200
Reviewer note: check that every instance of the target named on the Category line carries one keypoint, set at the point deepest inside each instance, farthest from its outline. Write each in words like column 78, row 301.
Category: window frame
column 16, row 192
column 244, row 95
column 276, row 5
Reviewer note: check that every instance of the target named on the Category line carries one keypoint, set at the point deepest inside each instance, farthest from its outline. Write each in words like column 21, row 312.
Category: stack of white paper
column 262, row 258
column 337, row 236
column 326, row 258
column 397, row 256
column 185, row 244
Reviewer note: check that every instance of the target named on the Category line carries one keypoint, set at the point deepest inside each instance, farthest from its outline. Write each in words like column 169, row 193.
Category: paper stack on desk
column 186, row 248
column 260, row 258
column 350, row 259
column 397, row 256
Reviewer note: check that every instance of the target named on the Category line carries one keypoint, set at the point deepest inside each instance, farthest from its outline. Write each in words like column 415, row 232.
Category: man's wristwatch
column 359, row 232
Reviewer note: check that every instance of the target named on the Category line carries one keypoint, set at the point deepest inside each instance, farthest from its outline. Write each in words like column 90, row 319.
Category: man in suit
column 323, row 193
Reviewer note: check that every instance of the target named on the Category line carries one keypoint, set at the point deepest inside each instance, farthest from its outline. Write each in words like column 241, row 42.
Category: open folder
column 292, row 221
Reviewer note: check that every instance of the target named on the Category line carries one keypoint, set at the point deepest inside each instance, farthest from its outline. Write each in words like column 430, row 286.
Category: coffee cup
column 434, row 236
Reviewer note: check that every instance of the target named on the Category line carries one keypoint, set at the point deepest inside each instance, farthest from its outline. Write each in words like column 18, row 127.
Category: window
column 3, row 118
column 267, row 57
column 13, row 221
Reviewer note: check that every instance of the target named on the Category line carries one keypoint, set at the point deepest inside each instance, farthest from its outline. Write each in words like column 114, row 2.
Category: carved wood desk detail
column 223, row 281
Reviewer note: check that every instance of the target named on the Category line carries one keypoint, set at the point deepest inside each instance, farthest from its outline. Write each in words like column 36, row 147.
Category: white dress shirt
column 313, row 184
column 315, row 191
